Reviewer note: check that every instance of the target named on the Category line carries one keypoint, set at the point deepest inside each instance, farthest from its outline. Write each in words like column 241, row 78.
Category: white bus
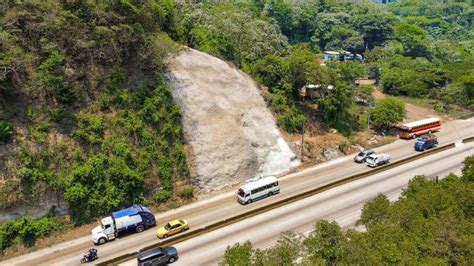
column 258, row 189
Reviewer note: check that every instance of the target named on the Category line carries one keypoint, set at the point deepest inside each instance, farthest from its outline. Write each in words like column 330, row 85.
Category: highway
column 209, row 210
column 342, row 204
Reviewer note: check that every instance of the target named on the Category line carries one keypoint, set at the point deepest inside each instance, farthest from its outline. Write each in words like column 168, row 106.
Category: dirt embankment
column 232, row 134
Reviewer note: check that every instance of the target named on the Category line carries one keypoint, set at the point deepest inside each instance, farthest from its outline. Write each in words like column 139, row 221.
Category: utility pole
column 302, row 144
column 368, row 116
column 368, row 120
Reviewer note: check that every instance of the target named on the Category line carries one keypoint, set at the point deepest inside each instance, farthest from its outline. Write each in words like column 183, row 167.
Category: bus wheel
column 270, row 193
column 414, row 136
column 249, row 201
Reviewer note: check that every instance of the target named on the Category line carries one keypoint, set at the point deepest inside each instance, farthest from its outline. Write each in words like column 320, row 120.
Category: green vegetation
column 409, row 50
column 431, row 223
column 387, row 113
column 186, row 193
column 95, row 125
column 6, row 131
column 26, row 230
column 83, row 81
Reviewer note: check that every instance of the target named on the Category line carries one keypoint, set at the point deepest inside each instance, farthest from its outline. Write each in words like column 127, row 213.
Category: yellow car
column 172, row 228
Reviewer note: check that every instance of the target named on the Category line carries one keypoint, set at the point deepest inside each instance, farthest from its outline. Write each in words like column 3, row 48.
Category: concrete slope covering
column 232, row 134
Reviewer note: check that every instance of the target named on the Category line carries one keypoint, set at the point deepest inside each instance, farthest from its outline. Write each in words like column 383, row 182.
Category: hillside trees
column 428, row 32
column 286, row 77
column 106, row 133
column 231, row 33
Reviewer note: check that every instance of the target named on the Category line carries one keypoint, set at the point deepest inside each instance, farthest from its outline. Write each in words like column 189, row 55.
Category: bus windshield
column 241, row 192
column 403, row 129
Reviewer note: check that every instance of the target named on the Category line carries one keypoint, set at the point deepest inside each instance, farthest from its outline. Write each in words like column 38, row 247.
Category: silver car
column 362, row 156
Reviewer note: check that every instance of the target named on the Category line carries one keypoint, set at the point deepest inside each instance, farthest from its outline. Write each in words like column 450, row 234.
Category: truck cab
column 105, row 231
column 426, row 142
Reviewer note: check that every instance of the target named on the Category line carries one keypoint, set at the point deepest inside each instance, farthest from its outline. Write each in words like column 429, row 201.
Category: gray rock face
column 232, row 134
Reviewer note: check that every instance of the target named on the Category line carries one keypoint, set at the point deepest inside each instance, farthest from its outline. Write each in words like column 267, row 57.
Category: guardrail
column 308, row 193
column 466, row 140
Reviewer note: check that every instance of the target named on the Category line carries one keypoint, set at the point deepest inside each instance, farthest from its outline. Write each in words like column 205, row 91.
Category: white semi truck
column 375, row 160
column 137, row 218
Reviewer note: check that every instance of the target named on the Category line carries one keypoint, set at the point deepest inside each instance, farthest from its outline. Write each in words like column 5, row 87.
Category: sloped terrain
column 232, row 133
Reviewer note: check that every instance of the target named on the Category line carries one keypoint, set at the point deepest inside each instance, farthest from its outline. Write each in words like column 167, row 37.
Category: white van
column 258, row 189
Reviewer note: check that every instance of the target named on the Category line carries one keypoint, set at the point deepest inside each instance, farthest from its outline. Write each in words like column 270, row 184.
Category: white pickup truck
column 375, row 160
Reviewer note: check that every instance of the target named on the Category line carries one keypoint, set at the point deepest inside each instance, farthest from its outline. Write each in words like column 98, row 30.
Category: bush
column 6, row 131
column 27, row 230
column 186, row 193
column 292, row 120
column 163, row 196
column 101, row 185
column 104, row 102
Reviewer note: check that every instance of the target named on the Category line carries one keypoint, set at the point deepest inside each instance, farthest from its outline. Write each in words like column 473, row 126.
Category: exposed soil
column 231, row 132
column 412, row 112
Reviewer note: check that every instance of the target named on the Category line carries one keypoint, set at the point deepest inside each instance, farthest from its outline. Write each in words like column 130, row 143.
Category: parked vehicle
column 418, row 128
column 258, row 189
column 426, row 142
column 362, row 156
column 90, row 255
column 136, row 218
column 375, row 160
column 157, row 256
column 172, row 228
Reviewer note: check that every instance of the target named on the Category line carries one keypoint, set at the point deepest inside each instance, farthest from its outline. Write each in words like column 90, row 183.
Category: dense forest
column 90, row 119
column 430, row 224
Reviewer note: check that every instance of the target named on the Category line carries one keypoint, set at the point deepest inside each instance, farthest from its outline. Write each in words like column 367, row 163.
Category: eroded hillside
column 231, row 131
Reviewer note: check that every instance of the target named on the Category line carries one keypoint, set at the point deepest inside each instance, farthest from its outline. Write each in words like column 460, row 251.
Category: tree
column 376, row 27
column 324, row 243
column 335, row 107
column 410, row 77
column 414, row 40
column 238, row 254
column 375, row 211
column 363, row 94
column 468, row 169
column 344, row 38
column 387, row 112
column 285, row 252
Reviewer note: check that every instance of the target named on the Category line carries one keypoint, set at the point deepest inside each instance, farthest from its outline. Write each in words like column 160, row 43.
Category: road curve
column 210, row 210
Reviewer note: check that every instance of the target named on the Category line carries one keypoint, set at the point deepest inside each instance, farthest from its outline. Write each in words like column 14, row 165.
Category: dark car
column 362, row 156
column 157, row 256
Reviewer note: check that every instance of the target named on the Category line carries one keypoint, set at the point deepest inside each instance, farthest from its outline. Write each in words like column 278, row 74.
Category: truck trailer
column 137, row 218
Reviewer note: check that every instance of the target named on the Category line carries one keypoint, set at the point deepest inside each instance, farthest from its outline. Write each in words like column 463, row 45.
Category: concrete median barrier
column 466, row 140
column 209, row 228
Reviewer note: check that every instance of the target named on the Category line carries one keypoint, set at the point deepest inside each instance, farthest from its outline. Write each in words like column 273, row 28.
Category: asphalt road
column 342, row 204
column 207, row 211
